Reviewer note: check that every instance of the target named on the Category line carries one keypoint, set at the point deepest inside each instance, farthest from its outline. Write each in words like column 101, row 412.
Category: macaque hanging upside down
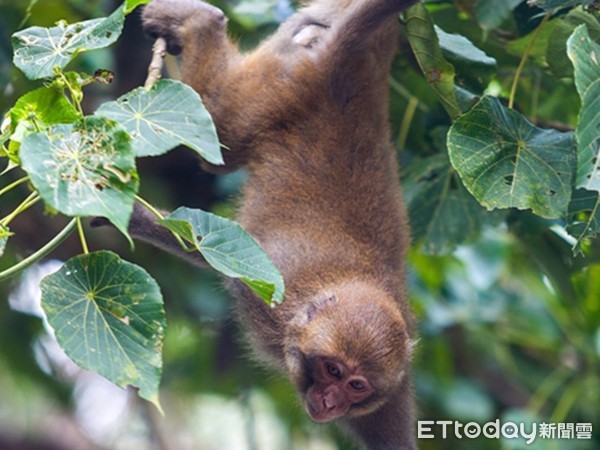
column 306, row 114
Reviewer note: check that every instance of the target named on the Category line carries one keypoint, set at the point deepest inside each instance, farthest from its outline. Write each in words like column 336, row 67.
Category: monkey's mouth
column 319, row 415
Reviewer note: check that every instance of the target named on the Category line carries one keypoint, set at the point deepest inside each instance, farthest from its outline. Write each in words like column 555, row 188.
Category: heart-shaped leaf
column 108, row 317
column 38, row 50
column 164, row 116
column 84, row 169
column 228, row 249
column 506, row 162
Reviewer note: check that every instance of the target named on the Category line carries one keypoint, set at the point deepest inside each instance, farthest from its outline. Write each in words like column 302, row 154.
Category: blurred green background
column 509, row 321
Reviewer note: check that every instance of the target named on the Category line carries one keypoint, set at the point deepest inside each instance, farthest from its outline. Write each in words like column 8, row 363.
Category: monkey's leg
column 361, row 44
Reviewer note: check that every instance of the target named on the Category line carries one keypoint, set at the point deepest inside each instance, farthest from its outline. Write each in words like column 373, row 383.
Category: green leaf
column 425, row 45
column 549, row 5
column 164, row 116
column 132, row 4
column 229, row 249
column 442, row 213
column 84, row 169
column 39, row 109
column 256, row 13
column 583, row 221
column 4, row 235
column 38, row 51
column 506, row 162
column 108, row 317
column 585, row 55
column 536, row 51
column 491, row 13
column 556, row 53
column 474, row 66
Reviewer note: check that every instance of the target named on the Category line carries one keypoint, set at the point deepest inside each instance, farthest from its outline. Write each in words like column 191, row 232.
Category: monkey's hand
column 174, row 19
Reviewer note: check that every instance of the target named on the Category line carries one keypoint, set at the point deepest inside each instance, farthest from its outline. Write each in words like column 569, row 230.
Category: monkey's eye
column 357, row 385
column 333, row 370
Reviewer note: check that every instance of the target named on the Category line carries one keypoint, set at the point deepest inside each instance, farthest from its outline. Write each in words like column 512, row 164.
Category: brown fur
column 306, row 114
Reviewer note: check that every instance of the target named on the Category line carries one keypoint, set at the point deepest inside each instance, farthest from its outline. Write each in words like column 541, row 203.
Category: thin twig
column 159, row 50
column 524, row 59
column 41, row 253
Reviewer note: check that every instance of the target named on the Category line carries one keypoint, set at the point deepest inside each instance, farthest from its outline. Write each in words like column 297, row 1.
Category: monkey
column 306, row 115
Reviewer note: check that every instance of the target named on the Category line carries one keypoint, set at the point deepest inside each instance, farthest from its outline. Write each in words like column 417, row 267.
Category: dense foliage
column 496, row 118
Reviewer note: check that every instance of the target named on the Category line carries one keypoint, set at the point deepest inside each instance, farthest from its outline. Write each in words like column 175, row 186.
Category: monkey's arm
column 144, row 227
column 197, row 29
column 209, row 63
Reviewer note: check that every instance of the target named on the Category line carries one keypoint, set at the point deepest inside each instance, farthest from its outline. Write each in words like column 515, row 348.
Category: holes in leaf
column 551, row 193
column 581, row 216
column 509, row 180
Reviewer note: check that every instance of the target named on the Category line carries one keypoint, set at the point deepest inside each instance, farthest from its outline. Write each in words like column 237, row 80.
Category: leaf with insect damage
column 167, row 114
column 506, row 162
column 108, row 316
column 84, row 169
column 38, row 51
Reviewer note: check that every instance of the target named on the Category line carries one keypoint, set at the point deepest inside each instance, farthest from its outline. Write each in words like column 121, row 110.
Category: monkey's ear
column 317, row 305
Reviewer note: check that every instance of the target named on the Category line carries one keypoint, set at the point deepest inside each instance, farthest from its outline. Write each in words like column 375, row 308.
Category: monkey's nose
column 329, row 402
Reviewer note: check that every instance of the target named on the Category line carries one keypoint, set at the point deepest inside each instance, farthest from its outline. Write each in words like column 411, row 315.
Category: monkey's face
column 336, row 387
column 345, row 352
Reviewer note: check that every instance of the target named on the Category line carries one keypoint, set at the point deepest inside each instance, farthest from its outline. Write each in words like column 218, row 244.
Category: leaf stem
column 157, row 213
column 28, row 202
column 568, row 398
column 409, row 115
column 151, row 208
column 84, row 245
column 547, row 387
column 41, row 253
column 405, row 93
column 74, row 94
column 13, row 185
column 524, row 59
